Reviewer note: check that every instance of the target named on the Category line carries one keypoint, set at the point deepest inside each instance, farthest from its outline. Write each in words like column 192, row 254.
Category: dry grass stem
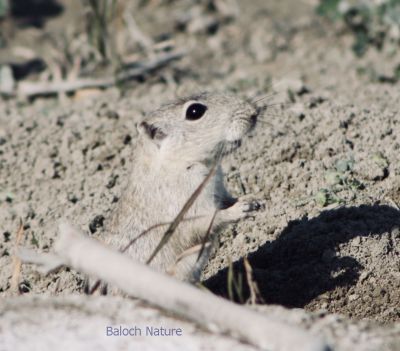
column 255, row 295
column 16, row 262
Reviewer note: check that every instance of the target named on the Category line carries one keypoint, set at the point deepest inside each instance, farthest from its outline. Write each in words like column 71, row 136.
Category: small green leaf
column 321, row 197
column 333, row 178
column 324, row 197
column 34, row 241
column 4, row 8
column 343, row 166
column 380, row 160
column 329, row 9
column 355, row 184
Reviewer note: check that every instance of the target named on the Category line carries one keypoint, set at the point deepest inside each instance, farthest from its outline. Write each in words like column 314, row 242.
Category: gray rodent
column 175, row 150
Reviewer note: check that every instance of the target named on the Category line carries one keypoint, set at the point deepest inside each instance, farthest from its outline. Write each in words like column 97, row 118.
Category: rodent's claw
column 243, row 208
column 254, row 205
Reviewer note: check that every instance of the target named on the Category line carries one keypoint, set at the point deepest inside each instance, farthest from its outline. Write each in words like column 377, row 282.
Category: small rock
column 364, row 276
column 24, row 287
column 72, row 198
column 96, row 223
column 7, row 236
column 353, row 297
column 356, row 241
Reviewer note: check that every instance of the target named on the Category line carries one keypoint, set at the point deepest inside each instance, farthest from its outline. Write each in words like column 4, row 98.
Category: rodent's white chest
column 171, row 188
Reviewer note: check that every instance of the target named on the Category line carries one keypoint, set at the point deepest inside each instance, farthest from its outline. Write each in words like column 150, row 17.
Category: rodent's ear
column 151, row 131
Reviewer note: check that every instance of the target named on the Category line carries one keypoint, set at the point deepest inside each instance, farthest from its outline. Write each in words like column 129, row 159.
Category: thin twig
column 207, row 235
column 136, row 33
column 46, row 262
column 16, row 260
column 255, row 295
column 155, row 226
column 187, row 253
column 91, row 291
column 170, row 231
column 234, row 285
column 31, row 89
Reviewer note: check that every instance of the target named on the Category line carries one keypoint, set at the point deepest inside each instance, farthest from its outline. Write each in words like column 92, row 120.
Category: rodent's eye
column 195, row 111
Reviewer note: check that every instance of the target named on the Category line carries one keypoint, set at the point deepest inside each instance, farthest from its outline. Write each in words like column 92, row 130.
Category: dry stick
column 135, row 32
column 255, row 294
column 46, row 262
column 229, row 280
column 155, row 226
column 189, row 252
column 206, row 237
column 16, row 262
column 201, row 247
column 30, row 89
column 170, row 231
column 94, row 258
column 205, row 251
column 95, row 286
column 234, row 284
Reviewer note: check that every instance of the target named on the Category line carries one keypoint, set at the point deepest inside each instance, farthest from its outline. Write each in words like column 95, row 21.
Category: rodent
column 175, row 149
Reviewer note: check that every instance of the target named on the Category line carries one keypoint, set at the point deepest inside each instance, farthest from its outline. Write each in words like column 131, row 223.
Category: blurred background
column 50, row 41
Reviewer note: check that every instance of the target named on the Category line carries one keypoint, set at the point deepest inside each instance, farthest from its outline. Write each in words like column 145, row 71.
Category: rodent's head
column 194, row 128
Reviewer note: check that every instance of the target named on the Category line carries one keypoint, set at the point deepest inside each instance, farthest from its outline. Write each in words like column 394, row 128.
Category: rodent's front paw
column 243, row 208
column 252, row 205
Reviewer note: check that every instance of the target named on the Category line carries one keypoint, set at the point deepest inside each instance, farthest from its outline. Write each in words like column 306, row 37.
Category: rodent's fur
column 171, row 158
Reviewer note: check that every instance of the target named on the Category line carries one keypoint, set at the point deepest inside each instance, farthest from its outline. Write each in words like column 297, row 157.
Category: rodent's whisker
column 265, row 122
column 287, row 103
column 269, row 115
column 266, row 96
column 273, row 115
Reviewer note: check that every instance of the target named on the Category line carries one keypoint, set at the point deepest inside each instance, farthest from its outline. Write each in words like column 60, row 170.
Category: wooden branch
column 93, row 258
column 14, row 285
column 46, row 263
column 31, row 89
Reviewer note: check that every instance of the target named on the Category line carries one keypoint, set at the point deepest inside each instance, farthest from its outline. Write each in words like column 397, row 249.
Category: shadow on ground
column 301, row 264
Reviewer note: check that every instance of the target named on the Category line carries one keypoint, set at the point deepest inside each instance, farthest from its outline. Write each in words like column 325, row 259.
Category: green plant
column 373, row 22
column 235, row 285
column 339, row 179
column 4, row 8
column 99, row 14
